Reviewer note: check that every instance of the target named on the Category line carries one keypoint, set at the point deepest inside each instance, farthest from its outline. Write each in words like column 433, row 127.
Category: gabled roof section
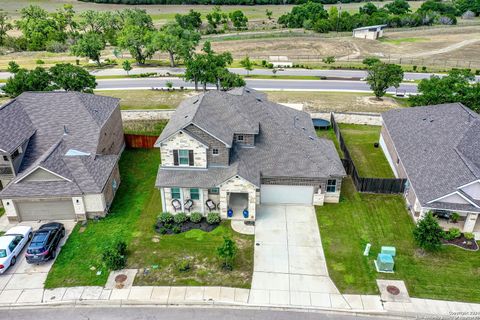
column 438, row 146
column 219, row 114
column 15, row 127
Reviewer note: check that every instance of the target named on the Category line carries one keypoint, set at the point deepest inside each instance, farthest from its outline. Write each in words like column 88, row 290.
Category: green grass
column 144, row 127
column 132, row 219
column 147, row 99
column 369, row 161
column 450, row 274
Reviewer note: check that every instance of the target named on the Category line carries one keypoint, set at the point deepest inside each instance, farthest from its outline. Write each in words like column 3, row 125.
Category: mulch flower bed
column 462, row 243
column 186, row 226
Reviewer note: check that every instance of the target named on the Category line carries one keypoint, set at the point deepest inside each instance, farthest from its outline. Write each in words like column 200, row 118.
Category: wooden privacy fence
column 140, row 141
column 362, row 184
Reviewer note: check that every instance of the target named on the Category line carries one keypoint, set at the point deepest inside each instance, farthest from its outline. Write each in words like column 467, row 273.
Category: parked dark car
column 442, row 214
column 45, row 242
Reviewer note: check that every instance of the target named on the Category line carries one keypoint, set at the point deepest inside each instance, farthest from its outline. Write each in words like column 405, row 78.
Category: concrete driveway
column 24, row 276
column 290, row 267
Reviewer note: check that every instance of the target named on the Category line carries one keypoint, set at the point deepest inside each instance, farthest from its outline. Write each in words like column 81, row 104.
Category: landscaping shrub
column 424, row 68
column 55, row 46
column 469, row 236
column 454, row 217
column 196, row 217
column 213, row 218
column 455, row 233
column 414, row 68
column 165, row 217
column 162, row 230
column 40, row 61
column 428, row 233
column 176, row 229
column 180, row 218
column 115, row 257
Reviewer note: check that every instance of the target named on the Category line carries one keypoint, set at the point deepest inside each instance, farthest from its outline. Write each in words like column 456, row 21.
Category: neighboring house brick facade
column 244, row 151
column 63, row 149
column 437, row 149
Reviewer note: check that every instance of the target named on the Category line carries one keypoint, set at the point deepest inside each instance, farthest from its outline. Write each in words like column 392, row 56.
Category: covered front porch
column 467, row 222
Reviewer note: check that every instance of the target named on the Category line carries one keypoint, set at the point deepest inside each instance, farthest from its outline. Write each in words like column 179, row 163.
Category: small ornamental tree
column 247, row 64
column 13, row 67
column 381, row 76
column 127, row 66
column 370, row 61
column 227, row 252
column 428, row 233
column 328, row 60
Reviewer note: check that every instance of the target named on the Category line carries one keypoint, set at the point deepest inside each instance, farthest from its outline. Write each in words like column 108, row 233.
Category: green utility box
column 389, row 250
column 385, row 262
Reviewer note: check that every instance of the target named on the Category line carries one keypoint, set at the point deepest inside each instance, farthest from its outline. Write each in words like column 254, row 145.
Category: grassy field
column 148, row 99
column 335, row 101
column 451, row 274
column 144, row 127
column 132, row 219
column 369, row 161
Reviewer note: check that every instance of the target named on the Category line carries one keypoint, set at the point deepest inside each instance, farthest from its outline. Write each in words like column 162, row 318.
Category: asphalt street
column 258, row 84
column 172, row 313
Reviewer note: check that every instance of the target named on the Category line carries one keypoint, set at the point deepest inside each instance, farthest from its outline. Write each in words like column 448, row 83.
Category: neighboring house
column 59, row 155
column 369, row 32
column 437, row 148
column 239, row 150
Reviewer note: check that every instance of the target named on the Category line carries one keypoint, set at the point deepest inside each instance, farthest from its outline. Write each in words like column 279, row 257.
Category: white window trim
column 335, row 186
column 188, row 158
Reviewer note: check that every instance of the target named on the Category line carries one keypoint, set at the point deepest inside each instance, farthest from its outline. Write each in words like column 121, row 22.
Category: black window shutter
column 190, row 157
column 175, row 157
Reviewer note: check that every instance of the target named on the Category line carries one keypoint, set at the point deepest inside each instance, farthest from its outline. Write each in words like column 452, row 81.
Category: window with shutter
column 190, row 157
column 175, row 157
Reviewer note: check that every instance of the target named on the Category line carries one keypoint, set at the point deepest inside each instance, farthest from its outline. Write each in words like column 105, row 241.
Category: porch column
column 164, row 205
column 470, row 222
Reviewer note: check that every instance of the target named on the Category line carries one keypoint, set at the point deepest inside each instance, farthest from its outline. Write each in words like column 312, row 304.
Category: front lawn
column 369, row 161
column 132, row 219
column 451, row 274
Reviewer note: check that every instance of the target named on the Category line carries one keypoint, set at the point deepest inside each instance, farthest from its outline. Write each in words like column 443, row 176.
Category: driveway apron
column 289, row 267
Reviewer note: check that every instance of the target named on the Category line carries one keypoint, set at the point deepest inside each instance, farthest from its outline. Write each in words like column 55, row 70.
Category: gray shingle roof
column 286, row 146
column 438, row 146
column 15, row 127
column 62, row 121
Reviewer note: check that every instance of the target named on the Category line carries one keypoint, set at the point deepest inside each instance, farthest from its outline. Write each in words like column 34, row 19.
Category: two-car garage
column 45, row 209
column 285, row 194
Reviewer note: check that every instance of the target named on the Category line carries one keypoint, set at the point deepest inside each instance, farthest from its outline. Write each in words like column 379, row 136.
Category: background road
column 171, row 313
column 259, row 84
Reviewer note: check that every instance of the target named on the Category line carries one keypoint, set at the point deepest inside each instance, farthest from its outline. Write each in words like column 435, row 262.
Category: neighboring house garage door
column 282, row 194
column 45, row 210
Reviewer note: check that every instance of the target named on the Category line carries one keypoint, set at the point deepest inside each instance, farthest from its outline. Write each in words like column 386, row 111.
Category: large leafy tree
column 39, row 27
column 239, row 19
column 302, row 15
column 191, row 20
column 104, row 23
column 457, row 86
column 210, row 67
column 23, row 80
column 398, row 7
column 138, row 41
column 68, row 77
column 5, row 26
column 89, row 45
column 381, row 76
column 176, row 41
column 428, row 233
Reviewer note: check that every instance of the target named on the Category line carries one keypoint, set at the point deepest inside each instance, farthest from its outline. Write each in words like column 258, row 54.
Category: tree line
column 396, row 14
column 219, row 2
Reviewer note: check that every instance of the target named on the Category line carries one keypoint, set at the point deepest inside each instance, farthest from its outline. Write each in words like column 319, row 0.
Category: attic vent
column 246, row 90
column 186, row 116
column 195, row 101
column 431, row 120
column 258, row 99
column 65, row 130
column 311, row 138
column 303, row 128
column 424, row 119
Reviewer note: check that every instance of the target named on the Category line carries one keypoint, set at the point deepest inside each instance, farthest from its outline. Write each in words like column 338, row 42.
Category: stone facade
column 221, row 158
column 183, row 141
column 238, row 185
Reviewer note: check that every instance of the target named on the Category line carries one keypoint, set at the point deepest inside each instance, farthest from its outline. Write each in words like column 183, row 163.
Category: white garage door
column 283, row 194
column 45, row 210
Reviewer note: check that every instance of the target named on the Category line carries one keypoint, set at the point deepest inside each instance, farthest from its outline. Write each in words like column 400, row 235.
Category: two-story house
column 437, row 148
column 232, row 151
column 59, row 155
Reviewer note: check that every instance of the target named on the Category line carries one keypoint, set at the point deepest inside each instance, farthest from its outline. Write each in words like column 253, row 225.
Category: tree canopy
column 457, row 86
column 89, row 45
column 381, row 76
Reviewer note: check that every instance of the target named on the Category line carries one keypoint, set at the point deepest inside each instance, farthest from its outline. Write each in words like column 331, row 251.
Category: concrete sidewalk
column 148, row 296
